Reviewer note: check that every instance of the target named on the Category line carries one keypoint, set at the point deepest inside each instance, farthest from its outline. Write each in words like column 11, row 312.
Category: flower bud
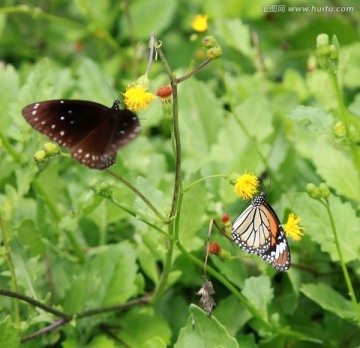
column 214, row 52
column 102, row 189
column 209, row 42
column 324, row 190
column 40, row 157
column 313, row 191
column 51, row 149
column 214, row 248
column 232, row 178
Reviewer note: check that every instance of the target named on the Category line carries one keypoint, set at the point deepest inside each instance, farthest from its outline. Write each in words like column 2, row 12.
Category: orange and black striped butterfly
column 258, row 231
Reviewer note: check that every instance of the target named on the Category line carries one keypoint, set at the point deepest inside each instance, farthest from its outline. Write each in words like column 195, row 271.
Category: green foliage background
column 267, row 109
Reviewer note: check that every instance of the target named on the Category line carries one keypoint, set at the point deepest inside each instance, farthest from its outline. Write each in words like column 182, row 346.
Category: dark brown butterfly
column 92, row 132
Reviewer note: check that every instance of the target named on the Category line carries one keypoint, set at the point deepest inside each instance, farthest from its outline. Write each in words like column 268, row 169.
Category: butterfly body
column 92, row 131
column 258, row 231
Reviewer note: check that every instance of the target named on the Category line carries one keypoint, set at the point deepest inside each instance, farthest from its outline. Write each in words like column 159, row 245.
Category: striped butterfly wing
column 278, row 254
column 258, row 230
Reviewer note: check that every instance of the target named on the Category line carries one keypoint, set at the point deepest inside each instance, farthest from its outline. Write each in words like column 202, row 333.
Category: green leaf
column 162, row 15
column 202, row 331
column 255, row 114
column 193, row 217
column 329, row 299
column 317, row 225
column 235, row 34
column 337, row 170
column 9, row 334
column 200, row 116
column 259, row 292
column 117, row 270
column 232, row 314
column 108, row 279
column 143, row 327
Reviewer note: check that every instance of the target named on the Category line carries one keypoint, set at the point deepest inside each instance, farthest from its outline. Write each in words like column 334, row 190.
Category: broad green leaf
column 108, row 279
column 317, row 225
column 93, row 84
column 329, row 299
column 349, row 66
column 232, row 314
column 143, row 327
column 337, row 170
column 201, row 116
column 117, row 270
column 193, row 217
column 9, row 334
column 202, row 331
column 234, row 33
column 312, row 119
column 259, row 292
column 162, row 15
column 255, row 114
column 316, row 80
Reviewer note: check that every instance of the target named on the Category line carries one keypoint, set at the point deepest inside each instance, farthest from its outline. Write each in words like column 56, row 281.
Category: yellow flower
column 200, row 23
column 137, row 98
column 292, row 228
column 246, row 185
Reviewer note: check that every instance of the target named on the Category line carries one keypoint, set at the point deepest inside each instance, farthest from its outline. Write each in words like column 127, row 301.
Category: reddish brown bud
column 164, row 92
column 214, row 248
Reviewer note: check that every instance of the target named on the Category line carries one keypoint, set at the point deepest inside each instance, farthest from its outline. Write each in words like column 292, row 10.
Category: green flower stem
column 58, row 216
column 193, row 72
column 7, row 255
column 342, row 262
column 249, row 306
column 345, row 118
column 193, row 184
column 176, row 200
column 139, row 194
column 140, row 217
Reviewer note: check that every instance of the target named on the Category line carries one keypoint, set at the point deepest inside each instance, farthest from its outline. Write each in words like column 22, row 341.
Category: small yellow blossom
column 292, row 228
column 200, row 23
column 246, row 185
column 137, row 98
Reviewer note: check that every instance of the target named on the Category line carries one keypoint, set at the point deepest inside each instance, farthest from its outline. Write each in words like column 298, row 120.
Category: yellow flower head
column 292, row 228
column 246, row 185
column 200, row 23
column 137, row 98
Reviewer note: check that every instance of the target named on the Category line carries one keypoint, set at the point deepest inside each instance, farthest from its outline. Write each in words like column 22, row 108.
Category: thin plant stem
column 345, row 119
column 193, row 72
column 342, row 261
column 139, row 194
column 193, row 184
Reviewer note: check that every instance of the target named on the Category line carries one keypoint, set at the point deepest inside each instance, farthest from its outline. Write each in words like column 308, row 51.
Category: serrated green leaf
column 329, row 299
column 202, row 331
